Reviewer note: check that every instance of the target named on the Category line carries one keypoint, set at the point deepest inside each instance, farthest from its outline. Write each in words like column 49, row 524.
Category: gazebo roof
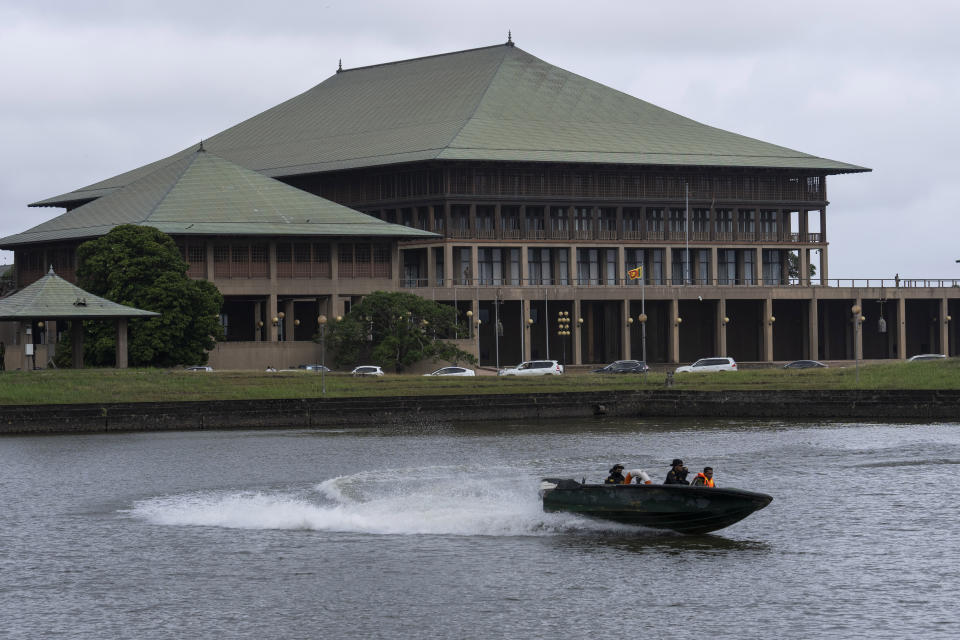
column 53, row 297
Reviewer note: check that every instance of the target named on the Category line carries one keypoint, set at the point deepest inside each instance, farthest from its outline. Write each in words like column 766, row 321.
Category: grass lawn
column 51, row 386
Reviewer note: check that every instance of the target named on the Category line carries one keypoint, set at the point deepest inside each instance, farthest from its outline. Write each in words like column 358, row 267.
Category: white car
column 709, row 364
column 534, row 368
column 926, row 356
column 200, row 367
column 452, row 371
column 367, row 370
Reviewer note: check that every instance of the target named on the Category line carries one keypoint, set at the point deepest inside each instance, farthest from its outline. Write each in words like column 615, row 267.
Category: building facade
column 532, row 194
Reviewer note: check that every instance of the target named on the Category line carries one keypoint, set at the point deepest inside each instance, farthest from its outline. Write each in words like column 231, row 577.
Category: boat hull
column 676, row 507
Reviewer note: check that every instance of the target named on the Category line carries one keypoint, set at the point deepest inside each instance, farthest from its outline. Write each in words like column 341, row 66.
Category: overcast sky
column 93, row 88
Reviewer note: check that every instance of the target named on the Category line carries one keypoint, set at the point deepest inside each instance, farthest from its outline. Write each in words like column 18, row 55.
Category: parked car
column 709, row 364
column 804, row 364
column 926, row 356
column 200, row 367
column 313, row 367
column 624, row 366
column 367, row 370
column 452, row 371
column 534, row 368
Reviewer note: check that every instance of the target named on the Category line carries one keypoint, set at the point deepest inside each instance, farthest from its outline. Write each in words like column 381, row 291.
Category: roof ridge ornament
column 340, row 65
column 201, row 149
column 509, row 38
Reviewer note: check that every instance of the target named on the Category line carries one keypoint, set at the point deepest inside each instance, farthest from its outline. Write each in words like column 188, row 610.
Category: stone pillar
column 767, row 329
column 474, row 266
column 902, row 328
column 758, row 266
column 668, row 267
column 121, row 343
column 675, row 330
column 525, row 269
column 621, row 275
column 813, row 329
column 572, row 266
column 804, row 267
column 625, row 350
column 76, row 340
column 578, row 333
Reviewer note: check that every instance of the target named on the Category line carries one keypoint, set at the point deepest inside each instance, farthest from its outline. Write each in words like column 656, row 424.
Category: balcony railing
column 860, row 283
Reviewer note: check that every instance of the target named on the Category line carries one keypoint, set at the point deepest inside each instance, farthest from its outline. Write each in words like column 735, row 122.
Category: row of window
column 599, row 266
column 294, row 259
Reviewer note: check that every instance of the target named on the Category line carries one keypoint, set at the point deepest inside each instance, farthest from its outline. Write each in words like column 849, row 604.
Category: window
column 772, row 267
column 749, row 266
column 724, row 220
column 655, row 220
column 677, row 221
column 588, row 266
column 726, row 266
column 745, row 221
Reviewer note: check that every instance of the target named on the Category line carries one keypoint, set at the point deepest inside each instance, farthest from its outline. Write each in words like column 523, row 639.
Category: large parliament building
column 522, row 194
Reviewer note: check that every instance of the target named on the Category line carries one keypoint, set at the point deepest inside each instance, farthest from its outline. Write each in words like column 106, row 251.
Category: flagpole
column 687, row 234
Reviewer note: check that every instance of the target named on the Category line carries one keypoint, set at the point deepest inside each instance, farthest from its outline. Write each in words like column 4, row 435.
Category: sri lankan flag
column 635, row 274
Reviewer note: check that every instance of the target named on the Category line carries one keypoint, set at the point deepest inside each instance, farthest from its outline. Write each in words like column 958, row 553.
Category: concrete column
column 674, row 330
column 525, row 269
column 858, row 332
column 668, row 267
column 271, row 314
column 288, row 326
column 473, row 220
column 944, row 328
column 572, row 265
column 497, row 222
column 394, row 264
column 804, row 267
column 621, row 266
column 758, row 266
column 824, row 274
column 713, row 267
column 447, row 265
column 720, row 327
column 804, row 230
column 619, row 223
column 121, row 343
column 578, row 333
column 211, row 270
column 431, row 267
column 334, row 264
column 525, row 315
column 767, row 329
column 902, row 328
column 76, row 340
column 813, row 329
column 432, row 218
column 474, row 265
column 258, row 316
column 627, row 330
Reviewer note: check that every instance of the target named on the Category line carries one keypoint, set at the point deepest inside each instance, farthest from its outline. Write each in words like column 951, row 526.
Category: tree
column 793, row 266
column 141, row 267
column 395, row 330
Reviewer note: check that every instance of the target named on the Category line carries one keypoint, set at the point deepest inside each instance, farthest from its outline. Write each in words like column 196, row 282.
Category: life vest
column 707, row 482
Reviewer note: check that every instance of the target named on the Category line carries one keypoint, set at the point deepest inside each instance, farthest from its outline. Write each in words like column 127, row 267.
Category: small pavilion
column 52, row 299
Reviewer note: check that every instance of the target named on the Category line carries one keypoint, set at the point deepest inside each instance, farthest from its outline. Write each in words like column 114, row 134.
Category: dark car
column 624, row 366
column 804, row 364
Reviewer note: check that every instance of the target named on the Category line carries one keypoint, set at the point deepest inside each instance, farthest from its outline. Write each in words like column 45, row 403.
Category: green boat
column 677, row 507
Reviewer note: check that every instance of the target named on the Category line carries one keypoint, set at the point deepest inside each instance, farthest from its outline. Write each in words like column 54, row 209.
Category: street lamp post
column 857, row 319
column 322, row 321
column 563, row 330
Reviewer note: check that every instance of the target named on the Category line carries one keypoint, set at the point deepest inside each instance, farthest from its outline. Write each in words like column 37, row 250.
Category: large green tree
column 395, row 330
column 142, row 267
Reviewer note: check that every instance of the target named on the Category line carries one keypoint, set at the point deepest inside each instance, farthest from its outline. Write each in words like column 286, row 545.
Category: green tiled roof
column 494, row 103
column 53, row 297
column 203, row 194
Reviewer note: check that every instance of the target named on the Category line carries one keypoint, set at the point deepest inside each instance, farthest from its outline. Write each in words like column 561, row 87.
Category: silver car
column 452, row 371
column 709, row 364
column 367, row 370
column 534, row 368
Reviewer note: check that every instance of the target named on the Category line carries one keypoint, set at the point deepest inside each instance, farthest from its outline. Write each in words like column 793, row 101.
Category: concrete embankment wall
column 363, row 412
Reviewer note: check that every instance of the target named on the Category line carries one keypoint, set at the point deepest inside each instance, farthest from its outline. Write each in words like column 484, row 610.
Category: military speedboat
column 677, row 507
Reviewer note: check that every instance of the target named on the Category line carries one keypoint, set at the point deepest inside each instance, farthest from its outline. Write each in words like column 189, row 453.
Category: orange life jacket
column 707, row 482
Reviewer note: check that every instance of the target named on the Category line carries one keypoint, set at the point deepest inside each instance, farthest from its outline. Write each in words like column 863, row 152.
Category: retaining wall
column 315, row 413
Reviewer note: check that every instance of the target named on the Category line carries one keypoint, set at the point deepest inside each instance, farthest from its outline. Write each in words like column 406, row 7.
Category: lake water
column 436, row 531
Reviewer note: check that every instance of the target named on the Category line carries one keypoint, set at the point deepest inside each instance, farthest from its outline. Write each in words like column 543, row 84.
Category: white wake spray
column 433, row 501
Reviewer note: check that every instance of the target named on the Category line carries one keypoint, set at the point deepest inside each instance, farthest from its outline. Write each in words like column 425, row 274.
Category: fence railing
column 852, row 283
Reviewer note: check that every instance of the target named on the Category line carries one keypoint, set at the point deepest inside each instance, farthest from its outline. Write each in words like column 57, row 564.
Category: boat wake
column 435, row 501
